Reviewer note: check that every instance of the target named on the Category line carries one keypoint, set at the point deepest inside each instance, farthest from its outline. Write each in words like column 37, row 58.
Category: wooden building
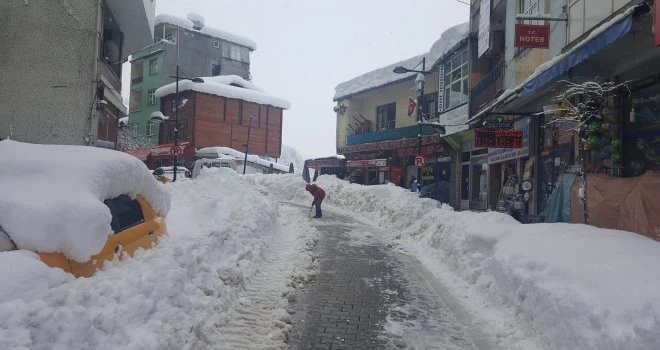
column 218, row 112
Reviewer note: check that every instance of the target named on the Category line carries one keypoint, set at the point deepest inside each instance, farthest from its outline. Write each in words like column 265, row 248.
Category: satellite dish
column 527, row 185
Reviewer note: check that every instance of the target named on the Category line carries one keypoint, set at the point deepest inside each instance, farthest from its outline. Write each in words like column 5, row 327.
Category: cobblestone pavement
column 366, row 296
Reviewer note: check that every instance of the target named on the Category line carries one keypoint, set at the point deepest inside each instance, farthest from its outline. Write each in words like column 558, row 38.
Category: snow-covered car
column 208, row 163
column 77, row 206
column 168, row 173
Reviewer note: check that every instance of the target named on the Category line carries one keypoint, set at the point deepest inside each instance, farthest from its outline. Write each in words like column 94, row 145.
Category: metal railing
column 487, row 89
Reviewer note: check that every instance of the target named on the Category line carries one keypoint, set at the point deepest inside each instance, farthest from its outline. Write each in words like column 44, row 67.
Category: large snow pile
column 231, row 86
column 571, row 286
column 187, row 23
column 173, row 296
column 52, row 195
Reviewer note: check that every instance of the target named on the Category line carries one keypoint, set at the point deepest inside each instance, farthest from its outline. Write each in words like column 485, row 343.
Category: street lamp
column 161, row 118
column 247, row 144
column 419, row 81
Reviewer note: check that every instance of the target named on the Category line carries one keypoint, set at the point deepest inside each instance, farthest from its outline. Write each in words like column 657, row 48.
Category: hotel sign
column 533, row 36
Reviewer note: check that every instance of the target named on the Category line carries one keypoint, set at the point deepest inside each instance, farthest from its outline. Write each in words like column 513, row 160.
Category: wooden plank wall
column 224, row 122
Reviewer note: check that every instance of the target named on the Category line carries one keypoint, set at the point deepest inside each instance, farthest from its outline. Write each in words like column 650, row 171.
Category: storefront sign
column 499, row 124
column 484, row 27
column 534, row 36
column 370, row 163
column 389, row 145
column 497, row 155
column 327, row 163
column 455, row 119
column 498, row 138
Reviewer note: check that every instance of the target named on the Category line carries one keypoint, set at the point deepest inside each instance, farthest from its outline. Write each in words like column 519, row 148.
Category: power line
column 463, row 2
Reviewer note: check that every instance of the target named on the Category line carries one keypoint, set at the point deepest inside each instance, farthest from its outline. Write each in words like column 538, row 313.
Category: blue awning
column 580, row 54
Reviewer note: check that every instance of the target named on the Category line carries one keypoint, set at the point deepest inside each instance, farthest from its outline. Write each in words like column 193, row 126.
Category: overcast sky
column 306, row 47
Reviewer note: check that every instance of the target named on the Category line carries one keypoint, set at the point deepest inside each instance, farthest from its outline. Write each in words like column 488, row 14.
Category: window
column 215, row 70
column 235, row 53
column 225, row 50
column 386, row 117
column 126, row 212
column 152, row 96
column 430, row 109
column 151, row 126
column 456, row 81
column 216, row 44
column 134, row 127
column 153, row 66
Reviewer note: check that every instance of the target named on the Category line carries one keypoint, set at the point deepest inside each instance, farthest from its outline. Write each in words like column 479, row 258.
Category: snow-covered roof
column 240, row 156
column 385, row 75
column 52, row 195
column 376, row 78
column 448, row 41
column 231, row 86
column 188, row 24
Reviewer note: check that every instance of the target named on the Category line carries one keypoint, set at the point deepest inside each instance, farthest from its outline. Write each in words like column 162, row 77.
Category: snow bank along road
column 244, row 268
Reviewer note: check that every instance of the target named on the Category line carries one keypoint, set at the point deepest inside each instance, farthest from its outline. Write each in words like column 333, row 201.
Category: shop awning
column 598, row 40
column 551, row 71
column 140, row 154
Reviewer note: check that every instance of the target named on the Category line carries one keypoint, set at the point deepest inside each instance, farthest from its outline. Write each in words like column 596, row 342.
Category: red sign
column 175, row 150
column 419, row 161
column 532, row 36
column 411, row 106
column 498, row 138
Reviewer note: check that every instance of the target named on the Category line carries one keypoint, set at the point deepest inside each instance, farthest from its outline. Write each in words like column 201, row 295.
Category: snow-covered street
column 243, row 267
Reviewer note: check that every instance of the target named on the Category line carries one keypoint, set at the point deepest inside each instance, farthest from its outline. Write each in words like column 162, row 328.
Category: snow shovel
column 310, row 212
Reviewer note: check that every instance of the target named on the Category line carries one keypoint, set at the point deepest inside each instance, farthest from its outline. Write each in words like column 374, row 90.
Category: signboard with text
column 498, row 138
column 371, row 163
column 484, row 27
column 533, row 36
column 501, row 154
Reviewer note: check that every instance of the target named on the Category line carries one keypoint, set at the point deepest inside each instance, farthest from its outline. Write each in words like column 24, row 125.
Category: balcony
column 108, row 72
column 137, row 80
column 487, row 90
column 408, row 132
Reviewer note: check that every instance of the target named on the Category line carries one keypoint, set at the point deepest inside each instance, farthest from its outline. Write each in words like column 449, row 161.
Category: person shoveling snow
column 318, row 194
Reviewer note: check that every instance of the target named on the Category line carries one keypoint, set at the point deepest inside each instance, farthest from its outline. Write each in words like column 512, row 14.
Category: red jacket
column 316, row 191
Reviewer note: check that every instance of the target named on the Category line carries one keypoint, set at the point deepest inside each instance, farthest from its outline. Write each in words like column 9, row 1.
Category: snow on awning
column 231, row 86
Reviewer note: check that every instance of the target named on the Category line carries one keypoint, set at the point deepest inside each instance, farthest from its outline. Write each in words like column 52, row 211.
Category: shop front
column 511, row 175
column 369, row 172
column 389, row 161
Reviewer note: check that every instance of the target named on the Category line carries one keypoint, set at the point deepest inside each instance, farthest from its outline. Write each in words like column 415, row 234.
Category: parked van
column 225, row 162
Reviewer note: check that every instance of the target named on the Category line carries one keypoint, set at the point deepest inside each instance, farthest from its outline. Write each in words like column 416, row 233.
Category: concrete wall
column 47, row 60
column 197, row 55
